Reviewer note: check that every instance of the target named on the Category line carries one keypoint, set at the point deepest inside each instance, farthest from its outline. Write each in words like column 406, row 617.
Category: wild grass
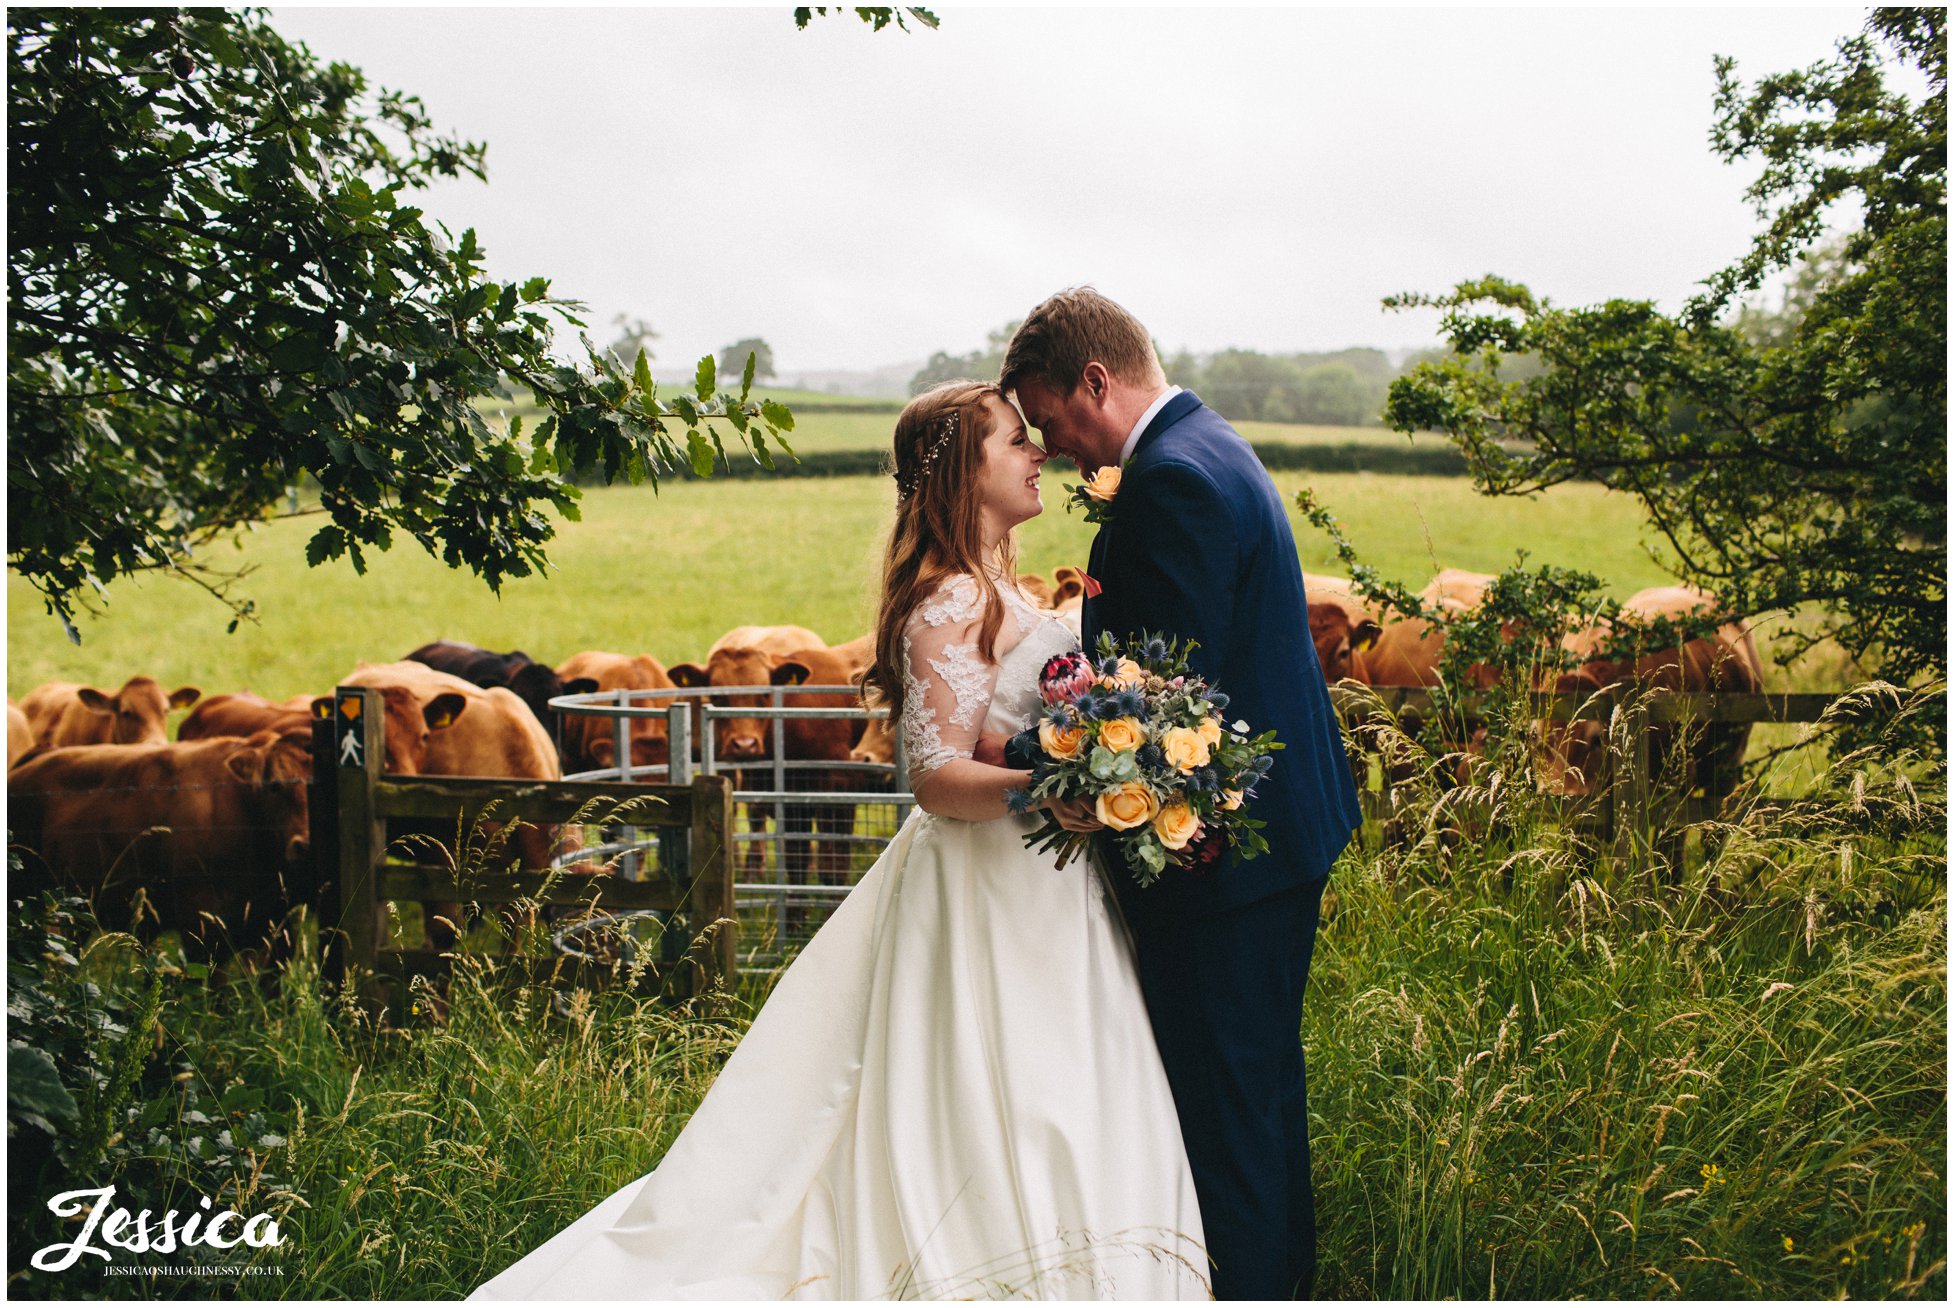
column 1540, row 1072
column 1536, row 1071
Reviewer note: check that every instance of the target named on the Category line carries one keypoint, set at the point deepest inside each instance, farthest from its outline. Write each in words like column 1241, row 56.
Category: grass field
column 667, row 573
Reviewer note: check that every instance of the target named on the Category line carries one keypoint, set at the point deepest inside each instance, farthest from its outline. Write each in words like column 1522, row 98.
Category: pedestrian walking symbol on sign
column 346, row 726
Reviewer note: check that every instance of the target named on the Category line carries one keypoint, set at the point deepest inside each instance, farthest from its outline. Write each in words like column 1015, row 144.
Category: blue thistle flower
column 1018, row 801
column 1151, row 757
column 1219, row 701
column 1129, row 703
column 1109, row 666
column 1156, row 650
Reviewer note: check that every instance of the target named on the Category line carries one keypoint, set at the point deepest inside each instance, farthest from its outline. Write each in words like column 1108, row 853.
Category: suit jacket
column 1198, row 547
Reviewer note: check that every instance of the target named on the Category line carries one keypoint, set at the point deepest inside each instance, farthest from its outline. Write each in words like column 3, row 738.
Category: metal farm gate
column 804, row 829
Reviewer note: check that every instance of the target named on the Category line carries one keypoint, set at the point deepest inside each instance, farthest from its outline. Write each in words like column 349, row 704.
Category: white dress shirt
column 1133, row 437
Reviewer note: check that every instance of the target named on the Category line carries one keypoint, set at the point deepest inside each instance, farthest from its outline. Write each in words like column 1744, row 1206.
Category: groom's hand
column 990, row 749
column 1075, row 815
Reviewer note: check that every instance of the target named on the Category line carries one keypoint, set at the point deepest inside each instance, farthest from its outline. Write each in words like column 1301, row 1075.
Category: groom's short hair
column 1076, row 327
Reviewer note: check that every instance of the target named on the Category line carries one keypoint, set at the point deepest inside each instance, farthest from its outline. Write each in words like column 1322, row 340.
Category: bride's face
column 1007, row 484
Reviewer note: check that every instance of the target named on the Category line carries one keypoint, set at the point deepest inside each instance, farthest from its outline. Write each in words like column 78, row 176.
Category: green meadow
column 666, row 572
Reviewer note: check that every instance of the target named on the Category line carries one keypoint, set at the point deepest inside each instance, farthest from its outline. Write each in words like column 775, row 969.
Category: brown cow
column 245, row 714
column 816, row 740
column 1342, row 625
column 496, row 736
column 20, row 734
column 1407, row 651
column 1727, row 662
column 590, row 742
column 411, row 720
column 744, row 656
column 193, row 836
column 1041, row 592
column 67, row 713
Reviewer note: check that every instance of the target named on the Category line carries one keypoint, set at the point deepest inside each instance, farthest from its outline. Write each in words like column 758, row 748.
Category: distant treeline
column 1340, row 388
column 1431, row 460
column 1345, row 388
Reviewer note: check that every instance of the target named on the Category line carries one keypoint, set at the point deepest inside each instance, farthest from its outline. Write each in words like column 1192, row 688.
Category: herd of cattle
column 1357, row 641
column 197, row 833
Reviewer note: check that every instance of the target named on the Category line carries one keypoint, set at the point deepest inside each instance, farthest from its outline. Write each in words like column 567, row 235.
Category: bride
column 953, row 1091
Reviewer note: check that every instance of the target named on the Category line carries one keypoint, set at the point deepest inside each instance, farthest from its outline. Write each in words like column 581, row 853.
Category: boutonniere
column 1096, row 496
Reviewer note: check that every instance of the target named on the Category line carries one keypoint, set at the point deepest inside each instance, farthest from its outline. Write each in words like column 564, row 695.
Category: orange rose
column 1210, row 731
column 1062, row 742
column 1176, row 824
column 1122, row 734
column 1184, row 748
column 1126, row 806
column 1104, row 484
column 1231, row 800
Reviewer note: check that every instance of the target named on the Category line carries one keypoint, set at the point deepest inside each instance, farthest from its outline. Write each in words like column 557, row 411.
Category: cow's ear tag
column 442, row 720
column 1369, row 642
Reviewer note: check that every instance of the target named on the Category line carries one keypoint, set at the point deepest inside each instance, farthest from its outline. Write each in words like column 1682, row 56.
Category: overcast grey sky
column 1237, row 177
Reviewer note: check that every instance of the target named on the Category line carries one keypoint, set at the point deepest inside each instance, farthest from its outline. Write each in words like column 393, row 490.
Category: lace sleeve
column 946, row 686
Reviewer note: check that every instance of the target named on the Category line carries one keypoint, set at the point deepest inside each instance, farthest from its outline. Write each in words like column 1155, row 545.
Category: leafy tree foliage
column 217, row 287
column 733, row 357
column 876, row 16
column 1803, row 464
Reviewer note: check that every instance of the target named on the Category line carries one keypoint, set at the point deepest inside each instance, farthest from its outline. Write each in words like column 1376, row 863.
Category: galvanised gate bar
column 806, row 829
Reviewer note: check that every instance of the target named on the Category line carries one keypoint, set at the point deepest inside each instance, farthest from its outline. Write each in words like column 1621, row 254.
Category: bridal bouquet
column 1145, row 741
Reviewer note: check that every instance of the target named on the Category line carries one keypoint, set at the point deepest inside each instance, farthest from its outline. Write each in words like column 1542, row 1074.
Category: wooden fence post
column 359, row 739
column 712, row 865
column 320, row 894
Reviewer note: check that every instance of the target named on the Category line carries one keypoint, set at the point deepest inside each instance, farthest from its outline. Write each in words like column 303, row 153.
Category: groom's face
column 1074, row 426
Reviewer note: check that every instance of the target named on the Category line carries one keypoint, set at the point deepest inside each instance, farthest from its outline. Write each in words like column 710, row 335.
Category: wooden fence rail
column 353, row 800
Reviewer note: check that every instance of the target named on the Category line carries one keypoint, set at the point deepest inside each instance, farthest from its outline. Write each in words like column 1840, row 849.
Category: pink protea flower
column 1065, row 678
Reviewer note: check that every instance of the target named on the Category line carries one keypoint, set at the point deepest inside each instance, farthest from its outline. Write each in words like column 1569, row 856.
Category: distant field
column 859, row 431
column 668, row 573
column 815, row 431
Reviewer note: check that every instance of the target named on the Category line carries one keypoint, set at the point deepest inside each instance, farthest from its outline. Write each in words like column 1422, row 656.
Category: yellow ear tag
column 443, row 720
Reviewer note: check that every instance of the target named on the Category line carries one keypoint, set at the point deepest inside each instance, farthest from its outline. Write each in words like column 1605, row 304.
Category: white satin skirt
column 953, row 1092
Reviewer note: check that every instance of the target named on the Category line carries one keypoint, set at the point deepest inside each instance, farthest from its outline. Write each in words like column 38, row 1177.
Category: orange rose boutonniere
column 1096, row 496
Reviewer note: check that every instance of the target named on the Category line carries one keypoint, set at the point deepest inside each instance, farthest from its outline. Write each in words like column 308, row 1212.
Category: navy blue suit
column 1198, row 547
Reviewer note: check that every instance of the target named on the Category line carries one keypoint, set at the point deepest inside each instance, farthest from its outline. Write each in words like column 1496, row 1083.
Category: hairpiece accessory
column 929, row 457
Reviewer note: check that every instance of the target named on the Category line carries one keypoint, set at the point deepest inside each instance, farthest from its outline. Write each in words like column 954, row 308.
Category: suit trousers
column 1225, row 993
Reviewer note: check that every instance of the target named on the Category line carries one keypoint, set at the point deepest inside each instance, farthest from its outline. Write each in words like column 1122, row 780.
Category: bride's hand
column 1074, row 815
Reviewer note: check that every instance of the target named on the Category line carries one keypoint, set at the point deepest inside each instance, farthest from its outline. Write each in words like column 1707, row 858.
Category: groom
column 1198, row 547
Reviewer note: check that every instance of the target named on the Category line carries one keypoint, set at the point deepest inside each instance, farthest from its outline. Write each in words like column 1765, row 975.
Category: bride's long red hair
column 939, row 526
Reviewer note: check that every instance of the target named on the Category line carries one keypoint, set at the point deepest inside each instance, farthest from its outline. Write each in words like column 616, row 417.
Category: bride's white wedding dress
column 952, row 1092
